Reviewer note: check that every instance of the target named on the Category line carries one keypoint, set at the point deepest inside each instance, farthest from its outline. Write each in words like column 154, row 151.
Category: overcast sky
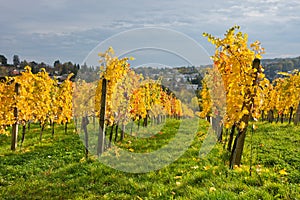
column 68, row 30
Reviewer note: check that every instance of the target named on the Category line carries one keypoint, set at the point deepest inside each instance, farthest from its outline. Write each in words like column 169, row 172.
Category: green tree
column 3, row 60
column 16, row 61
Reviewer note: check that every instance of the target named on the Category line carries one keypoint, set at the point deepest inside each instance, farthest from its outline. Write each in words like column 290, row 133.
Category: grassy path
column 56, row 168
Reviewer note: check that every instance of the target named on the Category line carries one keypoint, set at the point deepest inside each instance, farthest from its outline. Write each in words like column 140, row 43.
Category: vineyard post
column 23, row 134
column 117, row 128
column 251, row 149
column 66, row 127
column 111, row 135
column 101, row 136
column 291, row 114
column 238, row 146
column 84, row 123
column 53, row 127
column 297, row 115
column 14, row 136
column 229, row 146
column 271, row 116
column 123, row 131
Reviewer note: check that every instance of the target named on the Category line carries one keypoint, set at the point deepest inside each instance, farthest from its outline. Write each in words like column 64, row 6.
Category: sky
column 68, row 30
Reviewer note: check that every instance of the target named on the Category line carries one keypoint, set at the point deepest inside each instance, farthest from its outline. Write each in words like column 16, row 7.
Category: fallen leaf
column 283, row 172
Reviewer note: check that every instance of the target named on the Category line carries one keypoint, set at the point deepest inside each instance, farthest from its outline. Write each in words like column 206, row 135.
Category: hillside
column 273, row 66
column 190, row 74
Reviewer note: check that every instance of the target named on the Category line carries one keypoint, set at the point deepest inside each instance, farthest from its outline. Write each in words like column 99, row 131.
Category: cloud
column 69, row 29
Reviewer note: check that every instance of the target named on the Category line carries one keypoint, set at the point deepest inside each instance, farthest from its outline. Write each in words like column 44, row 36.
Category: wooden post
column 231, row 136
column 101, row 136
column 111, row 135
column 238, row 146
column 123, row 131
column 23, row 134
column 297, row 115
column 66, row 127
column 53, row 127
column 117, row 129
column 271, row 116
column 42, row 130
column 84, row 123
column 14, row 135
column 291, row 114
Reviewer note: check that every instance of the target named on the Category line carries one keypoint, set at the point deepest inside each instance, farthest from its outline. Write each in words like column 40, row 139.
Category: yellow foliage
column 243, row 84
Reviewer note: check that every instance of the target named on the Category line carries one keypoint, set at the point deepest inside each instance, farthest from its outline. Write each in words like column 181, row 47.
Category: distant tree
column 57, row 66
column 16, row 61
column 34, row 67
column 56, row 63
column 67, row 67
column 3, row 60
column 74, row 69
column 23, row 64
column 197, row 80
column 64, row 69
column 42, row 65
column 84, row 67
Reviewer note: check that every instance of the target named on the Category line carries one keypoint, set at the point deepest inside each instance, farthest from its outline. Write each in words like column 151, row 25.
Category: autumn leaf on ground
column 283, row 172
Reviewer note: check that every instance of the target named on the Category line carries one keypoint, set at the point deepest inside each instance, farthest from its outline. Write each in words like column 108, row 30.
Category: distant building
column 15, row 72
column 192, row 86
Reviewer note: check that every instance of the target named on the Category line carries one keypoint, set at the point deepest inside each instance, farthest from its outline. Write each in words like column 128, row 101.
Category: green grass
column 56, row 168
